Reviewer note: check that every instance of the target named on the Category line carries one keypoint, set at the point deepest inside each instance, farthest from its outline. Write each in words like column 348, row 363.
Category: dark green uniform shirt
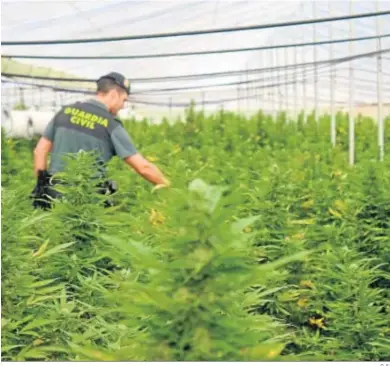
column 87, row 126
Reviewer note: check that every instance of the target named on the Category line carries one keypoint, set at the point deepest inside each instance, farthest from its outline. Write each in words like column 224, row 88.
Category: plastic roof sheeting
column 44, row 20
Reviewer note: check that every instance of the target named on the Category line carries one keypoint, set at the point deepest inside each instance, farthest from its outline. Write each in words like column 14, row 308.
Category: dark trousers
column 44, row 193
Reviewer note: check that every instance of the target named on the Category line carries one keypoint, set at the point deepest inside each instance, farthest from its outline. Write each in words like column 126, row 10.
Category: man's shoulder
column 118, row 121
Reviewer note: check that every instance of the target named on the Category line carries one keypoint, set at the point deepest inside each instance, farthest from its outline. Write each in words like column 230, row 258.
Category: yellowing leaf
column 288, row 296
column 335, row 213
column 263, row 351
column 303, row 222
column 337, row 173
column 156, row 218
column 183, row 295
column 307, row 204
column 340, row 205
column 319, row 323
column 306, row 283
column 152, row 158
column 298, row 236
column 41, row 249
column 202, row 340
column 57, row 249
column 302, row 302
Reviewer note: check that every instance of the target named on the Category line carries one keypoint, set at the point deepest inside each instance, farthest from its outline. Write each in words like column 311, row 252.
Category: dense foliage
column 268, row 246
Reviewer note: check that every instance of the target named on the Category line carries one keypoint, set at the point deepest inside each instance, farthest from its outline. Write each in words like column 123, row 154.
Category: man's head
column 113, row 90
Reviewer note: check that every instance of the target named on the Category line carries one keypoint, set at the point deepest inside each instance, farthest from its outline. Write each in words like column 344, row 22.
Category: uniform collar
column 97, row 103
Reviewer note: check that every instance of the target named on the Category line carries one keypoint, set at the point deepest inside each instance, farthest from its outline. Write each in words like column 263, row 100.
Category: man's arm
column 146, row 169
column 44, row 146
column 41, row 152
column 126, row 150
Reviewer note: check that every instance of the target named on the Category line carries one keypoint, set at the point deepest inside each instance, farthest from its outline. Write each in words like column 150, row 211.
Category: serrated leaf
column 92, row 353
column 9, row 347
column 302, row 222
column 335, row 213
column 47, row 290
column 37, row 323
column 263, row 351
column 30, row 221
column 239, row 225
column 285, row 260
column 57, row 249
column 14, row 324
column 210, row 194
column 42, row 283
column 41, row 249
column 35, row 353
column 37, row 299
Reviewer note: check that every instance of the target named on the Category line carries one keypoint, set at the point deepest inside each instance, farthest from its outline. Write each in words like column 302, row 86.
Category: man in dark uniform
column 91, row 126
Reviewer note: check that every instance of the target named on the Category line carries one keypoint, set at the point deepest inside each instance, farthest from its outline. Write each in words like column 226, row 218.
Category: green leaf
column 285, row 260
column 42, row 283
column 47, row 290
column 91, row 353
column 31, row 221
column 34, row 353
column 5, row 348
column 36, row 300
column 211, row 194
column 57, row 249
column 37, row 323
column 241, row 224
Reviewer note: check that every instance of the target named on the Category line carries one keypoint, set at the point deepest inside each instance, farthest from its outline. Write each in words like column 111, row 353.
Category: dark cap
column 118, row 79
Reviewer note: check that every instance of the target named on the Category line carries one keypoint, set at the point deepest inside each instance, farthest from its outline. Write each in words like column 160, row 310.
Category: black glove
column 39, row 193
column 112, row 186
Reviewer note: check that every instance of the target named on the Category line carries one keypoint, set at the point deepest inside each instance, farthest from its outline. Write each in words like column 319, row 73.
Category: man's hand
column 160, row 186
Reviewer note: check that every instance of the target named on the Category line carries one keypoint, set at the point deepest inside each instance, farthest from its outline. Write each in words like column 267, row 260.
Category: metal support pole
column 295, row 84
column 32, row 94
column 14, row 100
column 351, row 95
column 280, row 106
column 381, row 139
column 287, row 104
column 332, row 112
column 40, row 97
column 262, row 102
column 273, row 94
column 21, row 95
column 238, row 95
column 315, row 66
column 303, row 60
column 247, row 88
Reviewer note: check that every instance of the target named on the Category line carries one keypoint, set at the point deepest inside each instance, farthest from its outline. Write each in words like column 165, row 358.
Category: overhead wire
column 215, row 74
column 208, row 74
column 167, row 89
column 288, row 82
column 140, row 101
column 209, row 52
column 196, row 32
column 143, row 17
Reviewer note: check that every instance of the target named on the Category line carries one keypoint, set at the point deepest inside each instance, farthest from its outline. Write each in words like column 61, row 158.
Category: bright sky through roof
column 45, row 20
